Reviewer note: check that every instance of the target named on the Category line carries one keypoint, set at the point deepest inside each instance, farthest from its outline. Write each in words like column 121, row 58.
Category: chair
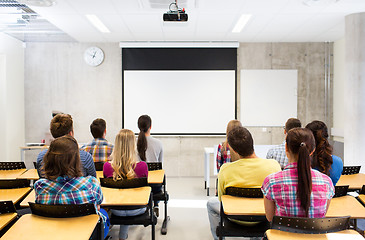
column 68, row 211
column 99, row 166
column 161, row 196
column 231, row 229
column 310, row 225
column 341, row 190
column 35, row 165
column 11, row 165
column 7, row 207
column 145, row 219
column 349, row 170
column 14, row 183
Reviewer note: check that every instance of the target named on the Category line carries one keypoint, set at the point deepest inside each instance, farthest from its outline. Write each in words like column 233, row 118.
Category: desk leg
column 207, row 174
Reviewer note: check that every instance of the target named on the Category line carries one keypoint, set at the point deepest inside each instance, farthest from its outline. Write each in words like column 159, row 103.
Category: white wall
column 339, row 75
column 12, row 98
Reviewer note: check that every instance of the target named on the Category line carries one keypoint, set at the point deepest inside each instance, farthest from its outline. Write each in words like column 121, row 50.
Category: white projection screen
column 180, row 101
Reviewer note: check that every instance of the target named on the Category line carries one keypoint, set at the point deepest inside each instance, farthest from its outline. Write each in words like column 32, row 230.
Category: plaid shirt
column 223, row 155
column 278, row 153
column 65, row 190
column 100, row 149
column 281, row 187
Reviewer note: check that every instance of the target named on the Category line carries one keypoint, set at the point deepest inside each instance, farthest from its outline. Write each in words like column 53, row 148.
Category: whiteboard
column 268, row 97
column 180, row 102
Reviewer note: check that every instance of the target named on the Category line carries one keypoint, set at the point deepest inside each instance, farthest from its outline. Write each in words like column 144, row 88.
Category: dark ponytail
column 144, row 123
column 300, row 142
column 322, row 157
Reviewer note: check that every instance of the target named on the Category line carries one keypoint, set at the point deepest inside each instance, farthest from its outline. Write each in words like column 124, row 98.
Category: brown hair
column 97, row 128
column 322, row 157
column 124, row 155
column 61, row 125
column 144, row 123
column 62, row 158
column 300, row 143
column 292, row 123
column 231, row 124
column 240, row 140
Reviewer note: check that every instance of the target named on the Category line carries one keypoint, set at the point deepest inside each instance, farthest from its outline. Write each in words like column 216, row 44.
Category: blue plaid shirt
column 278, row 153
column 65, row 190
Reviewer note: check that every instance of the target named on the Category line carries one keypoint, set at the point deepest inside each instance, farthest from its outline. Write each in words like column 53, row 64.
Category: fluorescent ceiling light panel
column 97, row 23
column 241, row 23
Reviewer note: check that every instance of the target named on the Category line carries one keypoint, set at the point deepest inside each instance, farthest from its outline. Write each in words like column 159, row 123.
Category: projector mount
column 175, row 13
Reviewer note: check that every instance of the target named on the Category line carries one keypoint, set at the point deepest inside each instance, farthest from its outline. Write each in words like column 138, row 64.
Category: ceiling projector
column 175, row 15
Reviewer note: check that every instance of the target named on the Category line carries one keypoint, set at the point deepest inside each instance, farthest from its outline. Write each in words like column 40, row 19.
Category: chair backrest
column 99, row 166
column 125, row 183
column 244, row 192
column 362, row 191
column 11, row 165
column 35, row 165
column 341, row 190
column 62, row 211
column 154, row 166
column 14, row 183
column 348, row 170
column 310, row 225
column 7, row 207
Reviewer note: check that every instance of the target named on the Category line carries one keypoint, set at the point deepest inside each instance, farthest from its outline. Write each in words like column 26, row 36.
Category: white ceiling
column 209, row 20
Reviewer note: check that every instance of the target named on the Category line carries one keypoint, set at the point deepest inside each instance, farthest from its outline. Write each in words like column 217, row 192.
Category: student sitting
column 62, row 125
column 298, row 190
column 125, row 165
column 224, row 154
column 323, row 160
column 247, row 172
column 99, row 147
column 63, row 182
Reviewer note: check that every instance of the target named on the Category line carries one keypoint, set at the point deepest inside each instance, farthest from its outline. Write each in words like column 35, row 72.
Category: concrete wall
column 58, row 79
column 11, row 98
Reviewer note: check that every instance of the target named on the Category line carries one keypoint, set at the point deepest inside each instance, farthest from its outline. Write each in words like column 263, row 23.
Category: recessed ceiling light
column 241, row 23
column 97, row 23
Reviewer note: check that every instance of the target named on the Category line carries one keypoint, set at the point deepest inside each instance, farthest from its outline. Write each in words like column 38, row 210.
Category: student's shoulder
column 84, row 155
column 336, row 159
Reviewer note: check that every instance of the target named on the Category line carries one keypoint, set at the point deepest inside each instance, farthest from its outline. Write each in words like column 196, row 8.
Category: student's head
column 322, row 157
column 300, row 145
column 62, row 158
column 124, row 155
column 61, row 125
column 144, row 124
column 232, row 124
column 292, row 123
column 240, row 140
column 97, row 128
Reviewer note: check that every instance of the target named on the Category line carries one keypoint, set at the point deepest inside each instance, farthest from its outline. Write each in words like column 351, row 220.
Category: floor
column 187, row 211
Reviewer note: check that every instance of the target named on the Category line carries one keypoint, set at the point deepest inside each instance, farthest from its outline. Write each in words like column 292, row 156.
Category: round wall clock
column 94, row 56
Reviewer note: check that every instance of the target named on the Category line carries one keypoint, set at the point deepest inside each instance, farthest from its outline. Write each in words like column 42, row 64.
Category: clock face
column 94, row 56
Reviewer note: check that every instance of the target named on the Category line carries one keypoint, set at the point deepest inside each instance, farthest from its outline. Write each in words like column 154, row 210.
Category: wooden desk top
column 30, row 174
column 362, row 198
column 345, row 206
column 355, row 181
column 126, row 197
column 30, row 226
column 13, row 194
column 29, row 198
column 11, row 174
column 243, row 206
column 99, row 174
column 34, row 147
column 273, row 234
column 6, row 218
column 156, row 177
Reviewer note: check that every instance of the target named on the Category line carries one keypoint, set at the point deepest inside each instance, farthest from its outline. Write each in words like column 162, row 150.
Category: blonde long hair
column 124, row 158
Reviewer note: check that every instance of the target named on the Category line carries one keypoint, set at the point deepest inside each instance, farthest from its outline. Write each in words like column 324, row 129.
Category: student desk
column 243, row 206
column 6, row 218
column 126, row 197
column 346, row 206
column 30, row 174
column 31, row 226
column 99, row 174
column 23, row 149
column 355, row 181
column 273, row 234
column 29, row 198
column 11, row 174
column 14, row 194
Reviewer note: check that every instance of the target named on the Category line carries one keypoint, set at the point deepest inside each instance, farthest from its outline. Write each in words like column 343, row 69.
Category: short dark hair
column 98, row 127
column 240, row 140
column 61, row 125
column 62, row 158
column 292, row 123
